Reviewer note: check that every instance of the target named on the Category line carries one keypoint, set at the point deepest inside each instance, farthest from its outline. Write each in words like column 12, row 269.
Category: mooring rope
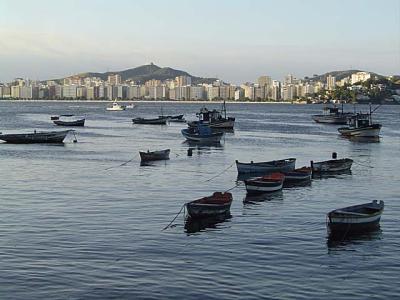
column 220, row 173
column 123, row 164
column 170, row 223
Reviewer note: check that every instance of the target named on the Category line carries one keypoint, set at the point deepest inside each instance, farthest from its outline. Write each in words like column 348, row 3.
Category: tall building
column 15, row 91
column 197, row 92
column 264, row 81
column 331, row 82
column 360, row 77
column 70, row 91
column 114, row 79
column 183, row 80
column 213, row 92
column 133, row 92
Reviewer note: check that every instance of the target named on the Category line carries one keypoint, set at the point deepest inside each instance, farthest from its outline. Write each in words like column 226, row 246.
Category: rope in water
column 170, row 223
column 220, row 173
column 123, row 164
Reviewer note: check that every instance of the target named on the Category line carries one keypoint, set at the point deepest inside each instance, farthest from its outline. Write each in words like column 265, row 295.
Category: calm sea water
column 71, row 229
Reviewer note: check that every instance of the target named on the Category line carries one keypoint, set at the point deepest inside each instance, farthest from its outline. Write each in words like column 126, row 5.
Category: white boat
column 266, row 167
column 116, row 107
column 265, row 184
column 130, row 106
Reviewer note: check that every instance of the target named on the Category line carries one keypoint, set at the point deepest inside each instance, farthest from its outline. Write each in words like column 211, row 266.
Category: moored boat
column 332, row 166
column 35, row 137
column 361, row 125
column 202, row 134
column 214, row 118
column 68, row 120
column 299, row 175
column 265, row 184
column 356, row 218
column 214, row 205
column 154, row 155
column 283, row 165
column 154, row 121
column 332, row 115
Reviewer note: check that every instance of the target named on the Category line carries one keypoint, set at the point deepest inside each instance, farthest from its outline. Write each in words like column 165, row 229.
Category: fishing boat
column 154, row 155
column 355, row 219
column 214, row 205
column 35, row 137
column 361, row 125
column 297, row 176
column 214, row 118
column 68, row 120
column 332, row 166
column 283, row 165
column 176, row 119
column 265, row 184
column 154, row 121
column 202, row 134
column 332, row 115
column 116, row 107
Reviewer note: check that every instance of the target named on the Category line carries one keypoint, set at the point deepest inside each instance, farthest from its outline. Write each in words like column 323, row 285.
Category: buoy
column 190, row 152
column 334, row 155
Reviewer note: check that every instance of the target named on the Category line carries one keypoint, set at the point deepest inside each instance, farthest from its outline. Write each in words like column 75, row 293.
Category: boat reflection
column 153, row 163
column 330, row 174
column 337, row 241
column 254, row 199
column 200, row 145
column 197, row 225
column 362, row 139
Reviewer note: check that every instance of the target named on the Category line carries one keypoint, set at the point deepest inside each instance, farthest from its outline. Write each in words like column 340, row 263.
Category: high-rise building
column 213, row 92
column 15, row 91
column 197, row 92
column 331, row 82
column 183, row 80
column 264, row 81
column 114, row 79
column 70, row 91
column 360, row 77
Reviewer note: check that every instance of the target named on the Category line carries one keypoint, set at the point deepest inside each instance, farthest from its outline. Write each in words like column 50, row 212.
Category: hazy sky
column 234, row 40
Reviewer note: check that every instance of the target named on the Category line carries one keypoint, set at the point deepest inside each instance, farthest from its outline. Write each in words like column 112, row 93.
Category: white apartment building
column 331, row 82
column 70, row 91
column 133, row 92
column 360, row 77
column 183, row 80
column 212, row 92
column 197, row 92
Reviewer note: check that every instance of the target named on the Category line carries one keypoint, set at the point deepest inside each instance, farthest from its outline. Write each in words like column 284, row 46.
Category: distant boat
column 283, row 165
column 116, row 107
column 332, row 166
column 214, row 205
column 35, row 137
column 130, row 106
column 68, row 120
column 202, row 134
column 154, row 155
column 355, row 219
column 361, row 125
column 214, row 118
column 177, row 118
column 265, row 184
column 331, row 115
column 154, row 121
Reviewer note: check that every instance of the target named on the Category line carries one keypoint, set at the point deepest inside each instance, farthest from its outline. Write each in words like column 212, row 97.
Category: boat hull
column 259, row 187
column 332, row 166
column 220, row 124
column 369, row 131
column 53, row 137
column 155, row 155
column 339, row 120
column 196, row 210
column 158, row 121
column 214, row 137
column 76, row 123
column 285, row 165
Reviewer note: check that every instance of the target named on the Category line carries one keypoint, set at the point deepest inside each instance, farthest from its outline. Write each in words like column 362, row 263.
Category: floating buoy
column 190, row 152
column 334, row 155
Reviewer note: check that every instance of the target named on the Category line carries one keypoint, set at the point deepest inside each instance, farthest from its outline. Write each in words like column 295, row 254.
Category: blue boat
column 202, row 134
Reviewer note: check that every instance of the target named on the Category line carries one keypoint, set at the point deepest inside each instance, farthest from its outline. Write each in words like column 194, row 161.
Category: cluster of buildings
column 180, row 88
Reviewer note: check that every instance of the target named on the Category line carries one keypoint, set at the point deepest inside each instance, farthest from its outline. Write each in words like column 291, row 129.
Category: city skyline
column 235, row 41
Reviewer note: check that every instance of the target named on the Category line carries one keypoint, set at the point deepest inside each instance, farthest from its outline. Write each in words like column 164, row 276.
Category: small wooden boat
column 35, row 137
column 332, row 166
column 69, row 120
column 116, row 107
column 154, row 155
column 300, row 175
column 155, row 121
column 361, row 125
column 177, row 119
column 202, row 134
column 283, row 165
column 355, row 219
column 57, row 117
column 331, row 115
column 214, row 205
column 265, row 184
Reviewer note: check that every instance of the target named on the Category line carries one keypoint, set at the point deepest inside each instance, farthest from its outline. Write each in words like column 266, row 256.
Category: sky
column 234, row 40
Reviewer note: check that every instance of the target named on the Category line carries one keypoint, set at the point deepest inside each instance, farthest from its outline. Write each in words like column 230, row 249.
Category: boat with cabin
column 282, row 165
column 202, row 134
column 332, row 115
column 48, row 137
column 116, row 107
column 214, row 118
column 361, row 125
column 265, row 184
column 154, row 155
column 355, row 219
column 214, row 205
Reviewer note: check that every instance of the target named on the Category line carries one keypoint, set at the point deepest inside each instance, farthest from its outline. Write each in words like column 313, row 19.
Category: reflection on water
column 253, row 199
column 196, row 225
column 362, row 139
column 340, row 240
column 203, row 145
column 340, row 174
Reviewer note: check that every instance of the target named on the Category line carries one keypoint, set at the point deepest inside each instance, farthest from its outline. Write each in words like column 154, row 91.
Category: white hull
column 263, row 189
column 115, row 109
